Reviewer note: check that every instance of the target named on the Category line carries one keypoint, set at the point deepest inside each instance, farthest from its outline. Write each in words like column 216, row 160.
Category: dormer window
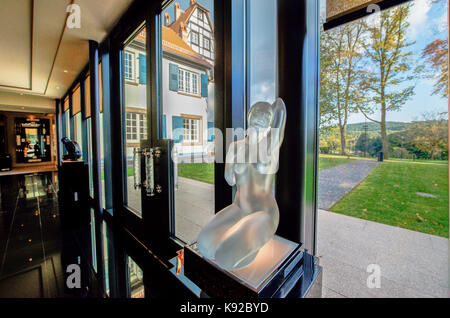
column 206, row 44
column 194, row 37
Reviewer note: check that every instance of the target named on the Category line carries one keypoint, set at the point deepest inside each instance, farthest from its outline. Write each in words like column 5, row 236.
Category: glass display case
column 32, row 140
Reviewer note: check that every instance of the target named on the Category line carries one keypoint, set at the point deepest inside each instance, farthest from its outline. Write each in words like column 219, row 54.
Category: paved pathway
column 337, row 181
column 412, row 264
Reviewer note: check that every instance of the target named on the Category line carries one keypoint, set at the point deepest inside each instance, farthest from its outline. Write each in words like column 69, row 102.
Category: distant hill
column 391, row 126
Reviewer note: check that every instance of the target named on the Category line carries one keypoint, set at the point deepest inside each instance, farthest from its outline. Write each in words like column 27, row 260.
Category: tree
column 436, row 55
column 390, row 67
column 329, row 140
column 341, row 51
column 431, row 136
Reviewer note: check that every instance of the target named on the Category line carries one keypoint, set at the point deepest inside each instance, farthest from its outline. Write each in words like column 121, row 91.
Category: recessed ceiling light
column 66, row 71
column 57, row 87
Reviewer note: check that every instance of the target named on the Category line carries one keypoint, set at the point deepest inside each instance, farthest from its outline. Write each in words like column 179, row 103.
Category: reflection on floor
column 33, row 249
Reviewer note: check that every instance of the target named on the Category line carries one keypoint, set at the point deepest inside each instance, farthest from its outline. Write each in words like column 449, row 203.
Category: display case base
column 276, row 272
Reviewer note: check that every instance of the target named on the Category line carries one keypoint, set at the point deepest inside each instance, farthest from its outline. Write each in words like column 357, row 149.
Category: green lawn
column 130, row 173
column 326, row 161
column 203, row 172
column 442, row 162
column 388, row 195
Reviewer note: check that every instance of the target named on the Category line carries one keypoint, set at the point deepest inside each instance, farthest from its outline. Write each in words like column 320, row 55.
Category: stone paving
column 412, row 264
column 336, row 182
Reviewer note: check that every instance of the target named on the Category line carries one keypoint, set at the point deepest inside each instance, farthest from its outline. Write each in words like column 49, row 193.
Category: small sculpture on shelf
column 72, row 148
column 235, row 235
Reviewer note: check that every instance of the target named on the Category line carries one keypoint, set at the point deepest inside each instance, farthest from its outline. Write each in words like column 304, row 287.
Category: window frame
column 132, row 66
column 190, row 119
column 186, row 82
column 197, row 34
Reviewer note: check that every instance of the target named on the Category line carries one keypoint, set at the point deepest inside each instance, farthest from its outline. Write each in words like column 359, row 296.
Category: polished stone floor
column 34, row 249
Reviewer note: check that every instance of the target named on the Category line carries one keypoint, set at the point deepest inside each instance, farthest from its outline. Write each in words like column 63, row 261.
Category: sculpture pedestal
column 276, row 270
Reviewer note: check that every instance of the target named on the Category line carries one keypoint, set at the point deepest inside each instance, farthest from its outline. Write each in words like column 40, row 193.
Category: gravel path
column 337, row 181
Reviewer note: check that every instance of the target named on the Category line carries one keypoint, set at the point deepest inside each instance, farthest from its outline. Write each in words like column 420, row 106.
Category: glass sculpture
column 235, row 235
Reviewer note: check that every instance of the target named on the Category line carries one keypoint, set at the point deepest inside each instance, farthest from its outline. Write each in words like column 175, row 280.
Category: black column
column 96, row 171
column 223, row 106
column 59, row 151
column 298, row 62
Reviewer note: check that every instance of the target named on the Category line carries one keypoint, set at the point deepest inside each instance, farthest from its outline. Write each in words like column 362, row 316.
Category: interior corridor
column 33, row 247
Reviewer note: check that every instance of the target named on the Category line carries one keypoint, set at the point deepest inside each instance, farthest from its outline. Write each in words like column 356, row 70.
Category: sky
column 427, row 23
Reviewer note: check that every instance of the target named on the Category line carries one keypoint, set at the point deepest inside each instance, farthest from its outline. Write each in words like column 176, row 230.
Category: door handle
column 136, row 170
column 149, row 172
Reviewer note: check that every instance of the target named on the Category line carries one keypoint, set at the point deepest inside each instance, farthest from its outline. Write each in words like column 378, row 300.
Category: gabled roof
column 182, row 19
column 171, row 42
column 178, row 24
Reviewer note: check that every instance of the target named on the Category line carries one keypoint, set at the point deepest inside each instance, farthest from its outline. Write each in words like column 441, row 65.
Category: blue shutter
column 210, row 133
column 173, row 77
column 164, row 127
column 177, row 123
column 205, row 81
column 142, row 69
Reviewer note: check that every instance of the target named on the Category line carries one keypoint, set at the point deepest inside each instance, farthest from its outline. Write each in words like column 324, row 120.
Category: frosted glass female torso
column 235, row 235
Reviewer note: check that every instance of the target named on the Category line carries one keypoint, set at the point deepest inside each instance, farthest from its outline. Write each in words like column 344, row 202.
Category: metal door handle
column 149, row 173
column 136, row 170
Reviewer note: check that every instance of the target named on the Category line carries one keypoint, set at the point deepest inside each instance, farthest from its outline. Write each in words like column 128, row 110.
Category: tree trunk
column 384, row 137
column 342, row 130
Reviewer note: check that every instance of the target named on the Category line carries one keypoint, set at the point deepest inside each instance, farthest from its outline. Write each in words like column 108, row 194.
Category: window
column 194, row 37
column 194, row 83
column 191, row 130
column 131, row 126
column 206, row 44
column 181, row 80
column 129, row 65
column 188, row 82
column 183, row 121
column 136, row 126
column 142, row 126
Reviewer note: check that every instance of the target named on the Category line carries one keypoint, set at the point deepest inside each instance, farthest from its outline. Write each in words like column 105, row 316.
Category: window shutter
column 164, row 126
column 173, row 77
column 177, row 123
column 142, row 69
column 210, row 133
column 205, row 81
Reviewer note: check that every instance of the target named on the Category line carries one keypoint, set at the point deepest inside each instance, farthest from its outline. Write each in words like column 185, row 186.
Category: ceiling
column 39, row 55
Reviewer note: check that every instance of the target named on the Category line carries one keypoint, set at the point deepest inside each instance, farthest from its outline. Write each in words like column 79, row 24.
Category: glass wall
column 383, row 162
column 262, row 48
column 188, row 110
column 89, row 134
column 135, row 279
column 66, row 117
column 77, row 119
column 135, row 114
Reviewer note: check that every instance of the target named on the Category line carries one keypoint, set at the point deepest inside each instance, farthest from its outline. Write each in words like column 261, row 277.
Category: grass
column 442, row 162
column 203, row 172
column 326, row 161
column 388, row 195
column 130, row 173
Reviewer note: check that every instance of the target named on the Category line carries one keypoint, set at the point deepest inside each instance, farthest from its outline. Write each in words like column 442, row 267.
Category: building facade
column 187, row 80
